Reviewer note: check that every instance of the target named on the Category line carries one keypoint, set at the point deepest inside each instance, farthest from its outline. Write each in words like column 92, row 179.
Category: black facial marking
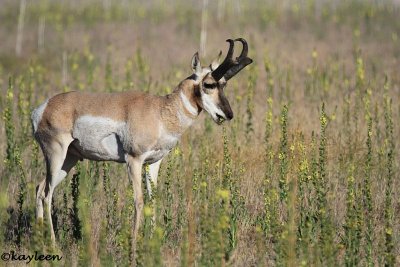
column 197, row 95
column 192, row 77
column 197, row 92
column 224, row 105
column 210, row 85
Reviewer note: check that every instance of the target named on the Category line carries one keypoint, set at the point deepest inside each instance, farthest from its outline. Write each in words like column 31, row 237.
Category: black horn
column 219, row 72
column 240, row 62
column 245, row 47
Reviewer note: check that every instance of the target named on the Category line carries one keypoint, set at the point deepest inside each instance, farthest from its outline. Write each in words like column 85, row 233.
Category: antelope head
column 211, row 81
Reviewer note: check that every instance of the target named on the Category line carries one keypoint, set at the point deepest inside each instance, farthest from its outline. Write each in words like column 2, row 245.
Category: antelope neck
column 189, row 106
column 180, row 109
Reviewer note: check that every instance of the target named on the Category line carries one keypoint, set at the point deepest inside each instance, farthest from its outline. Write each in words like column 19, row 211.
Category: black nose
column 229, row 115
column 225, row 107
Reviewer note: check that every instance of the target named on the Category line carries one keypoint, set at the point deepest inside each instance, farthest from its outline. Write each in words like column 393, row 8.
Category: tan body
column 128, row 127
column 144, row 123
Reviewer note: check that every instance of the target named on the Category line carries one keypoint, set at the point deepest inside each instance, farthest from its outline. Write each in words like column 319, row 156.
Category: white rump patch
column 37, row 114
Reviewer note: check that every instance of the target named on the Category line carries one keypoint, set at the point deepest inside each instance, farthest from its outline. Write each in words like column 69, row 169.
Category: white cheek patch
column 37, row 114
column 210, row 106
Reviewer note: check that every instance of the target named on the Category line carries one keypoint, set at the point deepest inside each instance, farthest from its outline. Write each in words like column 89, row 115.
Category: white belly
column 153, row 156
column 99, row 138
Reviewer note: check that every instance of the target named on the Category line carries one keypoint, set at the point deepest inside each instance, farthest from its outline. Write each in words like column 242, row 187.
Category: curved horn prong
column 241, row 61
column 245, row 47
column 231, row 49
column 231, row 67
column 226, row 64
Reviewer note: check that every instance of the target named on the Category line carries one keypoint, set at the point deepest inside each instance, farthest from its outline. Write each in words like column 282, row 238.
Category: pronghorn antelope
column 128, row 127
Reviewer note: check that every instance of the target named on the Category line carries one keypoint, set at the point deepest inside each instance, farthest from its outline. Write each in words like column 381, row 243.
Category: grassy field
column 306, row 174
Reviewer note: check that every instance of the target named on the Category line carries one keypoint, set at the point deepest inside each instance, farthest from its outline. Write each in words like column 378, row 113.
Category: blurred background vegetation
column 306, row 174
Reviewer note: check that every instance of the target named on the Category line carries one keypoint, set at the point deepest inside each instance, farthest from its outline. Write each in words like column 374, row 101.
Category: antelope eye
column 210, row 85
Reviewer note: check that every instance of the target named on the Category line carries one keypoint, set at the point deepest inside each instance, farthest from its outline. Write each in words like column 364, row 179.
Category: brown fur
column 135, row 108
column 143, row 113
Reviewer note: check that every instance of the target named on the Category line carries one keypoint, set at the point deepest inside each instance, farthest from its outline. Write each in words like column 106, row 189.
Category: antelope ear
column 196, row 65
column 215, row 62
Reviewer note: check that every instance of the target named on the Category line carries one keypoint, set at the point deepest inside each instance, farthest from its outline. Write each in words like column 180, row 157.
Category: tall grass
column 306, row 174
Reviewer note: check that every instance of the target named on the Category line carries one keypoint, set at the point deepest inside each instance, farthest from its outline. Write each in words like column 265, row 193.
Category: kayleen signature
column 13, row 256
